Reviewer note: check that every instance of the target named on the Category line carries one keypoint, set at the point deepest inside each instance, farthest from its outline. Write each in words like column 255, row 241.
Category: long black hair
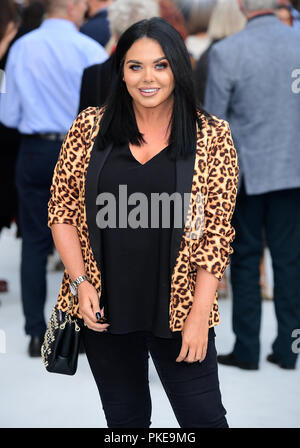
column 118, row 124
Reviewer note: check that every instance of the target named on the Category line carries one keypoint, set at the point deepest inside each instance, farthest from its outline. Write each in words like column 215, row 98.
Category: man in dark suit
column 95, row 84
column 252, row 83
column 97, row 26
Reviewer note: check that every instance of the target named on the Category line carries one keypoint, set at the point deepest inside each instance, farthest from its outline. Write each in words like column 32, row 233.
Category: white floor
column 32, row 397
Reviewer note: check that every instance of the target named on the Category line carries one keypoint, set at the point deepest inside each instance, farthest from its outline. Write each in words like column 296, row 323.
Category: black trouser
column 34, row 171
column 273, row 218
column 119, row 364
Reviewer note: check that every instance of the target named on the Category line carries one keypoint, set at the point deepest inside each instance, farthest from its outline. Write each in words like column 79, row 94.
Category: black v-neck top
column 135, row 270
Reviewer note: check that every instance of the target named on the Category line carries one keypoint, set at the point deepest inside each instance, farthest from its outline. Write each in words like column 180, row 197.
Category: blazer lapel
column 96, row 163
column 184, row 180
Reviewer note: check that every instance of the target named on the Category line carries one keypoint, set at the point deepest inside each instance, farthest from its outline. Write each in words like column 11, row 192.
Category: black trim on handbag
column 61, row 342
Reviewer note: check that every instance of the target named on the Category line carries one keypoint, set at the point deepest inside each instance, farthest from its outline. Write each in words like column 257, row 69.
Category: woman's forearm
column 67, row 243
column 205, row 290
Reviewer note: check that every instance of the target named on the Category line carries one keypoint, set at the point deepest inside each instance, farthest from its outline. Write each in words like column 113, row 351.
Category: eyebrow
column 138, row 62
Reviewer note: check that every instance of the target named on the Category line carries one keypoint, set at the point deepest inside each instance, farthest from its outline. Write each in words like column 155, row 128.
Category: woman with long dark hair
column 146, row 270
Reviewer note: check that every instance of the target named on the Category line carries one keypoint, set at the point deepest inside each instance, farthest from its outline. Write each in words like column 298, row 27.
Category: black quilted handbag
column 61, row 342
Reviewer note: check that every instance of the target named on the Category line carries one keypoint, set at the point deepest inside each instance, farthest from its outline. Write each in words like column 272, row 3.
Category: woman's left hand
column 194, row 340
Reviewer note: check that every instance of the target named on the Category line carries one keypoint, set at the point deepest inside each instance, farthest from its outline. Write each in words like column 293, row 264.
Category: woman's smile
column 149, row 91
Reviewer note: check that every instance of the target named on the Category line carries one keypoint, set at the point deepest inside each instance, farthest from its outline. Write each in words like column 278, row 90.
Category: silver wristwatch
column 74, row 285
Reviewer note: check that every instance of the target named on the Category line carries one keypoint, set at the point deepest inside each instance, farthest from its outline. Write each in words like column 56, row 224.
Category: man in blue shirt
column 97, row 26
column 43, row 76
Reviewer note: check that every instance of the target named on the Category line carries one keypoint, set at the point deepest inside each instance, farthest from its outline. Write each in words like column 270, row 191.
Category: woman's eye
column 161, row 66
column 135, row 67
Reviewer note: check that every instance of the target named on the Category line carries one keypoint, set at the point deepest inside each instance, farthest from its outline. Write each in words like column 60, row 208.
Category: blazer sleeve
column 63, row 206
column 212, row 251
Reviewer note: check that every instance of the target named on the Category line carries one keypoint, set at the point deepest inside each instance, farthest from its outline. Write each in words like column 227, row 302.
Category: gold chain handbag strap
column 68, row 318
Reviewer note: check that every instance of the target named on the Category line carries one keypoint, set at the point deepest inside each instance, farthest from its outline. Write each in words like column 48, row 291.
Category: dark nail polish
column 98, row 316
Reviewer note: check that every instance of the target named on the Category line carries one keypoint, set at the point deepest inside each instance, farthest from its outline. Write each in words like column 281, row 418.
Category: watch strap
column 78, row 281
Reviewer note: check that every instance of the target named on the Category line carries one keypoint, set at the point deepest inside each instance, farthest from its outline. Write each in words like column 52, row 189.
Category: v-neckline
column 148, row 161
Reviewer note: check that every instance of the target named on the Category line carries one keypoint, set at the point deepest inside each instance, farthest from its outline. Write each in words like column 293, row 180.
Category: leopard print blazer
column 207, row 232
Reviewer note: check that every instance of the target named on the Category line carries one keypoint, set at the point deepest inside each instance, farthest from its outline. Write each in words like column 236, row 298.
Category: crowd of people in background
column 56, row 59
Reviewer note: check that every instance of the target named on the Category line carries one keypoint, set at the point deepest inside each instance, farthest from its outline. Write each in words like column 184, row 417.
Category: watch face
column 73, row 290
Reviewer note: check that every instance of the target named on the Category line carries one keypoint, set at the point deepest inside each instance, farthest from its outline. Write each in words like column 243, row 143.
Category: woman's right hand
column 89, row 306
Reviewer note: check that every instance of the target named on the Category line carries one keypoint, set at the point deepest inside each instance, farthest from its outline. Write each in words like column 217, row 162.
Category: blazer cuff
column 61, row 215
column 214, row 258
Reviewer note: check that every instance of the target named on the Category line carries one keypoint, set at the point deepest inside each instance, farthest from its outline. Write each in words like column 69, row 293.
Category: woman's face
column 147, row 74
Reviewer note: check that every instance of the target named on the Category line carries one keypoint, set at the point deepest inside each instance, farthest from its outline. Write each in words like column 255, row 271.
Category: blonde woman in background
column 225, row 20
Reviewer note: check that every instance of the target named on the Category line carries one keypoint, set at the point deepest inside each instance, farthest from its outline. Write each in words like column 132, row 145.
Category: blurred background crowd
column 56, row 59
